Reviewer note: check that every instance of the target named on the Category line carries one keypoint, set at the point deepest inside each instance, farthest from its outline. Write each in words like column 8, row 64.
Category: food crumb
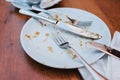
column 47, row 34
column 72, row 54
column 80, row 44
column 57, row 17
column 50, row 49
column 28, row 36
column 42, row 23
column 70, row 51
column 37, row 33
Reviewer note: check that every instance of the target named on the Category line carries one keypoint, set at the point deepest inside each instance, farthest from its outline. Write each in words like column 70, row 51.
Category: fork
column 79, row 23
column 63, row 44
column 74, row 21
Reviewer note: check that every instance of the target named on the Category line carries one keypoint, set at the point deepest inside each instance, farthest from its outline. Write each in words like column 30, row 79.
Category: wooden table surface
column 15, row 64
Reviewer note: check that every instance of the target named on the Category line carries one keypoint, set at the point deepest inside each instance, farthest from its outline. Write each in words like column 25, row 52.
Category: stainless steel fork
column 79, row 23
column 74, row 21
column 62, row 43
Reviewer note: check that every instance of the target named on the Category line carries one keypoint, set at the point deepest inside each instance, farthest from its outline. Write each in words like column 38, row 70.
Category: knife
column 106, row 49
column 64, row 26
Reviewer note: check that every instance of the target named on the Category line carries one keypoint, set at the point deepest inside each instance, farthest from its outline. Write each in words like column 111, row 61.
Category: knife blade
column 106, row 49
column 64, row 26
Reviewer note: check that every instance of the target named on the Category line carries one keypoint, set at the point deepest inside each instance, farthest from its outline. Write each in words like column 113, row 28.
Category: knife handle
column 115, row 53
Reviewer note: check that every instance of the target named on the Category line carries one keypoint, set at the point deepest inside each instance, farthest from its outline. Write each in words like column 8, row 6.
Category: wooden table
column 16, row 65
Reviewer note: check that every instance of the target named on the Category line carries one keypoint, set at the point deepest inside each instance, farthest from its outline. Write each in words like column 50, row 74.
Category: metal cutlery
column 63, row 44
column 74, row 21
column 79, row 23
column 64, row 26
column 33, row 4
column 37, row 8
column 106, row 49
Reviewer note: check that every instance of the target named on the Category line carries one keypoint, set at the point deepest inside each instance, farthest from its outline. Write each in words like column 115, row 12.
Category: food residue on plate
column 42, row 23
column 72, row 54
column 57, row 18
column 28, row 36
column 35, row 35
column 50, row 49
column 47, row 34
column 46, row 37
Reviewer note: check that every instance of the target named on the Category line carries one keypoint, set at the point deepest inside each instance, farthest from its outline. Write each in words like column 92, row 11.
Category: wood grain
column 15, row 64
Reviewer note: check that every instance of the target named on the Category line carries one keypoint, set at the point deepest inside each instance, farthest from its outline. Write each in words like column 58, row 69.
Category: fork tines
column 58, row 38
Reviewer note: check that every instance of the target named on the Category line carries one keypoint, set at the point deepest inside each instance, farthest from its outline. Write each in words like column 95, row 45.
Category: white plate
column 37, row 43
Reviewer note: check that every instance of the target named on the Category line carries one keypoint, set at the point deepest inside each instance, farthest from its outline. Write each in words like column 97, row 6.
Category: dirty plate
column 37, row 41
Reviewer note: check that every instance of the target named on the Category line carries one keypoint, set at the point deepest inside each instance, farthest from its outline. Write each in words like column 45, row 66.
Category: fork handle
column 95, row 74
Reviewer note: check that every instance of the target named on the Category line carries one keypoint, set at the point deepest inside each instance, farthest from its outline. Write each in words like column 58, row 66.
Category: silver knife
column 64, row 26
column 106, row 49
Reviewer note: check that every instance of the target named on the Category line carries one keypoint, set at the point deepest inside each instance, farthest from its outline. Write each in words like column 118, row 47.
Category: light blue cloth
column 107, row 65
